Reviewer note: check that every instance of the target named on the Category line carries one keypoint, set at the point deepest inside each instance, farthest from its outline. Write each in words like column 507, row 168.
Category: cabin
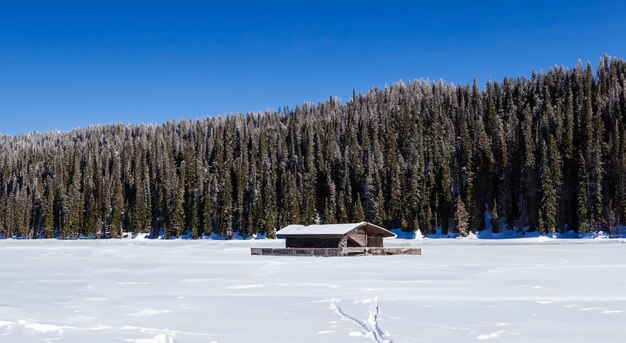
column 334, row 240
column 334, row 235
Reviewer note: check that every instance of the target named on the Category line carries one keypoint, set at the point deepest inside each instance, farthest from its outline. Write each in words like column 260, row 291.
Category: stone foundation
column 329, row 252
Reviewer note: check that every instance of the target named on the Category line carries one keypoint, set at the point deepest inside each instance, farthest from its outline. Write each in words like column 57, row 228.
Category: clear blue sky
column 65, row 65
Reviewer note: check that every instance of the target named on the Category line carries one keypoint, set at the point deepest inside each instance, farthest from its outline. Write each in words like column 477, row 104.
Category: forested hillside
column 545, row 153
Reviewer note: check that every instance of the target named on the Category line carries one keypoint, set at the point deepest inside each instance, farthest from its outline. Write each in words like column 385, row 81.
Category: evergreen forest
column 542, row 153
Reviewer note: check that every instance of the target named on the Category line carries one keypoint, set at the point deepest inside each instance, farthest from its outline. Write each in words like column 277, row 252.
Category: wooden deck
column 330, row 252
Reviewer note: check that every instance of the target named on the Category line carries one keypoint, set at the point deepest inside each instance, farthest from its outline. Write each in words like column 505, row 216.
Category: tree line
column 544, row 153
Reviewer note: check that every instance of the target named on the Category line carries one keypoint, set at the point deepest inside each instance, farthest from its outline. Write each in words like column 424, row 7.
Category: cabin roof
column 331, row 230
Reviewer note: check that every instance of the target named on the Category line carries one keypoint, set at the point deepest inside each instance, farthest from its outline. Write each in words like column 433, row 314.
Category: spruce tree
column 49, row 210
column 495, row 217
column 548, row 208
column 461, row 218
column 178, row 216
column 581, row 200
column 357, row 211
column 117, row 201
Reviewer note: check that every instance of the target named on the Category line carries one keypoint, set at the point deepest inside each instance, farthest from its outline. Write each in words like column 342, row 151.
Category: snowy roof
column 331, row 229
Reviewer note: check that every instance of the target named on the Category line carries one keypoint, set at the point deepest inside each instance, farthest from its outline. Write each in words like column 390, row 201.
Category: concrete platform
column 330, row 252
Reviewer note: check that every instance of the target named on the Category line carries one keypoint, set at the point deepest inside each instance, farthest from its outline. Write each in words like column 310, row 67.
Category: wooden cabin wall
column 359, row 236
column 312, row 242
column 362, row 239
column 375, row 241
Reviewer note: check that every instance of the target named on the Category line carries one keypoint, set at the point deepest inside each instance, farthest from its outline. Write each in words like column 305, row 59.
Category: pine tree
column 178, row 216
column 548, row 208
column 461, row 218
column 74, row 202
column 117, row 201
column 394, row 204
column 226, row 214
column 583, row 224
column 309, row 196
column 357, row 211
column 49, row 210
column 270, row 209
column 209, row 203
column 495, row 217
column 414, row 196
column 292, row 201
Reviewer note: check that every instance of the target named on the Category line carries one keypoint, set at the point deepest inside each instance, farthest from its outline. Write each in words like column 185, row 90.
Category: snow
column 329, row 229
column 321, row 229
column 298, row 227
column 407, row 234
column 509, row 234
column 460, row 290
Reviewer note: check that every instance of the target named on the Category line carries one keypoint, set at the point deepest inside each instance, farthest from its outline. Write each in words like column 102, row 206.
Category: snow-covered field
column 524, row 290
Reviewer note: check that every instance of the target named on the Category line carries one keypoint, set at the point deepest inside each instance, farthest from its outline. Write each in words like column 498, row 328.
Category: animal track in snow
column 160, row 338
column 371, row 326
column 491, row 335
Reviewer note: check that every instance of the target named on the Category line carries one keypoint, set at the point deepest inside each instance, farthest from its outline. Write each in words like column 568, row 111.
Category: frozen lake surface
column 144, row 291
